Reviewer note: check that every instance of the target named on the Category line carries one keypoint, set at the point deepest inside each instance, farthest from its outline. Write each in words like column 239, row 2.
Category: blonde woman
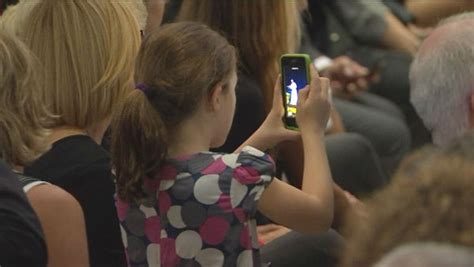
column 22, row 134
column 87, row 49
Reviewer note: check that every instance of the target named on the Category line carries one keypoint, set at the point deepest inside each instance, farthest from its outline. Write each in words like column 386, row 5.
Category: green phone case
column 308, row 73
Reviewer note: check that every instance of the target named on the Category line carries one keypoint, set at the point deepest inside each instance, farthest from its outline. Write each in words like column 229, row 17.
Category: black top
column 249, row 113
column 81, row 167
column 21, row 238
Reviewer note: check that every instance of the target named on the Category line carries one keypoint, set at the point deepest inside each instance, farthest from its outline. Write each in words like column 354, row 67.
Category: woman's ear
column 215, row 98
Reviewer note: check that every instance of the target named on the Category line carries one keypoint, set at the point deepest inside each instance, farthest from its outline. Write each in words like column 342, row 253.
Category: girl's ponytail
column 178, row 66
column 138, row 144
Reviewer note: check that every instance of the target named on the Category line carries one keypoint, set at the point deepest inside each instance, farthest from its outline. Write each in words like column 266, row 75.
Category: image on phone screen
column 294, row 79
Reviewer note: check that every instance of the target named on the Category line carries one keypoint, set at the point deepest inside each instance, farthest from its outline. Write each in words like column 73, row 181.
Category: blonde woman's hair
column 139, row 11
column 23, row 118
column 261, row 30
column 14, row 17
column 87, row 49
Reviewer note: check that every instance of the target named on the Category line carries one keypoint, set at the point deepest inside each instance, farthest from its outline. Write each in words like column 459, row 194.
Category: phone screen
column 294, row 78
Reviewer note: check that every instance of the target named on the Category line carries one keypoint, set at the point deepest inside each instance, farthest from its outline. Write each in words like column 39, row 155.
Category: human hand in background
column 348, row 78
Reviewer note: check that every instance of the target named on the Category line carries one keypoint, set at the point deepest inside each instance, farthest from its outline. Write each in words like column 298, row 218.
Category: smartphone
column 295, row 73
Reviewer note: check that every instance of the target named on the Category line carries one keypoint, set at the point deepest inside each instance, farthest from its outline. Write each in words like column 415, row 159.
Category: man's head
column 442, row 79
column 429, row 255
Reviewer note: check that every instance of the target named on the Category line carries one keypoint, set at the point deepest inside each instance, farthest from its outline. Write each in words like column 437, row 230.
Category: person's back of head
column 178, row 66
column 259, row 50
column 428, row 255
column 87, row 49
column 430, row 199
column 441, row 78
column 23, row 117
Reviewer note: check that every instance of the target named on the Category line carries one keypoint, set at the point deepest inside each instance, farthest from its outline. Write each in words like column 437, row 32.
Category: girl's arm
column 63, row 225
column 272, row 131
column 310, row 210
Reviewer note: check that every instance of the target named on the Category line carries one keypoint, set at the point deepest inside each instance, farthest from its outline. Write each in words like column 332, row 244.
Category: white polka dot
column 124, row 236
column 153, row 255
column 237, row 192
column 206, row 189
column 149, row 212
column 183, row 175
column 166, row 184
column 210, row 257
column 231, row 160
column 188, row 244
column 253, row 151
column 245, row 259
column 174, row 216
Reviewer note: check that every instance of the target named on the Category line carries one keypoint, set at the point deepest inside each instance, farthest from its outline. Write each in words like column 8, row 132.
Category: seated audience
column 430, row 200
column 180, row 204
column 441, row 79
column 428, row 255
column 22, row 121
column 354, row 162
column 21, row 237
column 370, row 34
column 87, row 51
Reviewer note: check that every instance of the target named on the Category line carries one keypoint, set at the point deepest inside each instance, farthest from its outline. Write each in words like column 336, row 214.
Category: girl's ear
column 215, row 98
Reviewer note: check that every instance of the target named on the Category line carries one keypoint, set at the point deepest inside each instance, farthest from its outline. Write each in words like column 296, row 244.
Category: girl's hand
column 273, row 128
column 272, row 131
column 314, row 104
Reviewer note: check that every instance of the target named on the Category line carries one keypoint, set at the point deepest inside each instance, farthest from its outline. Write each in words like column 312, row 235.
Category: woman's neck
column 96, row 133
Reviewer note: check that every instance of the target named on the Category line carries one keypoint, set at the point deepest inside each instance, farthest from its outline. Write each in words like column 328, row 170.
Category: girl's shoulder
column 207, row 163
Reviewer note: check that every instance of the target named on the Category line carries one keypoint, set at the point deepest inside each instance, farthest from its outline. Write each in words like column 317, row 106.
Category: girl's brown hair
column 261, row 30
column 23, row 117
column 177, row 66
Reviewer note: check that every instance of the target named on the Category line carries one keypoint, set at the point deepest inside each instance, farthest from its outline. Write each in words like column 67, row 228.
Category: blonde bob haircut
column 23, row 118
column 87, row 49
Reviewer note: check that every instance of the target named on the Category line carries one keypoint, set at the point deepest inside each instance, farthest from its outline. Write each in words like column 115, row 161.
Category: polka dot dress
column 199, row 211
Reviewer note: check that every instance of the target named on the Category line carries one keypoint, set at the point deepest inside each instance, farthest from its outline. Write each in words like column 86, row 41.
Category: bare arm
column 272, row 130
column 398, row 36
column 310, row 210
column 428, row 13
column 63, row 224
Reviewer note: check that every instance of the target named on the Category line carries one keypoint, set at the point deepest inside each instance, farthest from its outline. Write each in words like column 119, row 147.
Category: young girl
column 178, row 203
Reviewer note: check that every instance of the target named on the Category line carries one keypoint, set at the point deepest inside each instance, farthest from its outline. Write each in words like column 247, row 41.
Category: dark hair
column 178, row 65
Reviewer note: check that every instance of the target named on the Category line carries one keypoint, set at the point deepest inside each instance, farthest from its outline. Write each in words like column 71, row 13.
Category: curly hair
column 430, row 200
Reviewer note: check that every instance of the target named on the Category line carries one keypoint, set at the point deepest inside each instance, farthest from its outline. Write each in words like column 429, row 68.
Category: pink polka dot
column 246, row 175
column 122, row 208
column 245, row 240
column 216, row 167
column 214, row 230
column 225, row 203
column 164, row 201
column 153, row 229
column 168, row 253
column 167, row 172
column 240, row 214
